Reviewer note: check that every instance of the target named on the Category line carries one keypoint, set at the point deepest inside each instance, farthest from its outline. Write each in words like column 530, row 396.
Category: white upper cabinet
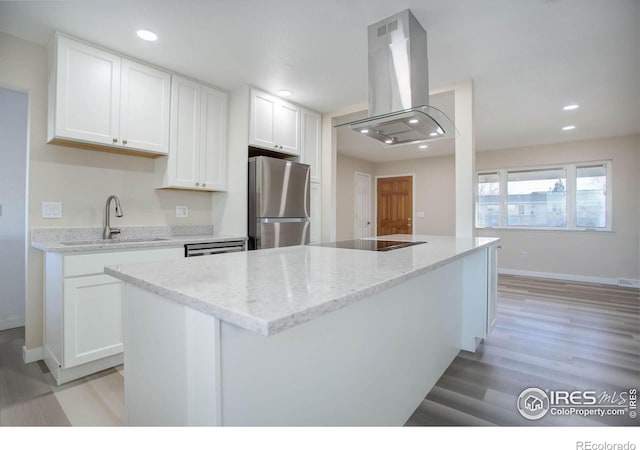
column 144, row 107
column 86, row 87
column 97, row 97
column 213, row 139
column 184, row 147
column 311, row 140
column 197, row 149
column 274, row 124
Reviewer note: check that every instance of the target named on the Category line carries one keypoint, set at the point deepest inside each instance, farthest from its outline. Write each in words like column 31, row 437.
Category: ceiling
column 527, row 59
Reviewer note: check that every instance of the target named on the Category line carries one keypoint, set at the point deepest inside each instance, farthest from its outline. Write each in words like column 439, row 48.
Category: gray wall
column 13, row 174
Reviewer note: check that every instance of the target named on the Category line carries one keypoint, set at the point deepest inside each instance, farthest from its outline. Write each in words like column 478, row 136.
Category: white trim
column 563, row 276
column 413, row 200
column 564, row 230
column 30, row 355
column 13, row 322
column 73, row 373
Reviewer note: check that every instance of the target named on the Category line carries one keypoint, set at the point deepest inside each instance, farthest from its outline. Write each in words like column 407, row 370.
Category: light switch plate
column 420, row 214
column 52, row 210
column 182, row 211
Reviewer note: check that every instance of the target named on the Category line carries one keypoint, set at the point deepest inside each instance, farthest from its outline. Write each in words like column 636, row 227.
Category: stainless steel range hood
column 399, row 111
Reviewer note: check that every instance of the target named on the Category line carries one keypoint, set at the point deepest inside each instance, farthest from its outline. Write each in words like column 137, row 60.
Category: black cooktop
column 370, row 244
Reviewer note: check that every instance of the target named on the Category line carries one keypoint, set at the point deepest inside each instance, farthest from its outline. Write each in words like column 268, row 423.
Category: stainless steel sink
column 113, row 241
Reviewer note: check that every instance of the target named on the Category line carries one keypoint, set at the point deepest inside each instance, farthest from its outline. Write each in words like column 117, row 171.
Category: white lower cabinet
column 93, row 318
column 492, row 287
column 83, row 330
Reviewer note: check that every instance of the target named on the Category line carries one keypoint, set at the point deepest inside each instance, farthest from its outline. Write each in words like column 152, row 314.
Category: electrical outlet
column 52, row 210
column 524, row 255
column 182, row 211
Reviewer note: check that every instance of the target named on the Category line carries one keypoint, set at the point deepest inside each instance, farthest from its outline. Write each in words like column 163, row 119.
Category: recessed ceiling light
column 284, row 93
column 570, row 107
column 147, row 35
column 569, row 127
column 365, row 131
column 389, row 141
column 433, row 134
column 423, row 146
column 413, row 121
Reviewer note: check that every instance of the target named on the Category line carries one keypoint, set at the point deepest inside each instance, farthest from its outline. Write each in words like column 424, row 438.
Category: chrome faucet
column 108, row 231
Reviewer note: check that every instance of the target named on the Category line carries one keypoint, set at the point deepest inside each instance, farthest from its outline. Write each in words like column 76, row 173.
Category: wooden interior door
column 395, row 205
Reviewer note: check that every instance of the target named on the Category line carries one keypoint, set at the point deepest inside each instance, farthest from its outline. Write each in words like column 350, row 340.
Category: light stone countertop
column 89, row 239
column 268, row 291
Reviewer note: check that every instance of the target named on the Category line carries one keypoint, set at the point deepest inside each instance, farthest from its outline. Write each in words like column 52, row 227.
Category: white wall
column 595, row 255
column 13, row 174
column 435, row 192
column 588, row 254
column 81, row 179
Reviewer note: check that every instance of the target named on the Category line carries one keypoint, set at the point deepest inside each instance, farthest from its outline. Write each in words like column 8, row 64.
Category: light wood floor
column 549, row 334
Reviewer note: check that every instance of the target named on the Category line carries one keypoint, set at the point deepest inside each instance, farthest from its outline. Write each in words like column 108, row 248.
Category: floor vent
column 628, row 283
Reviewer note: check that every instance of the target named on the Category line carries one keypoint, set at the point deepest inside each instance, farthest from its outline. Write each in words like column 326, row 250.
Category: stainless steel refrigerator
column 278, row 203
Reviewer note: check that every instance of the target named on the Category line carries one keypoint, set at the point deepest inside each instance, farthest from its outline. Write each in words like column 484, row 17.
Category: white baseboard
column 30, row 355
column 569, row 277
column 14, row 322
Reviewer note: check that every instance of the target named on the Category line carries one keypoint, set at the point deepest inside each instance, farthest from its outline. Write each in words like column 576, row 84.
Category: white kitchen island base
column 369, row 363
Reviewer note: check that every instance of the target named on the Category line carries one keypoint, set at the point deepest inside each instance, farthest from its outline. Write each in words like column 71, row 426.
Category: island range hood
column 399, row 111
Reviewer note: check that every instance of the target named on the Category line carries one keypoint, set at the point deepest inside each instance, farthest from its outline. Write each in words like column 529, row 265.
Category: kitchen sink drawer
column 94, row 263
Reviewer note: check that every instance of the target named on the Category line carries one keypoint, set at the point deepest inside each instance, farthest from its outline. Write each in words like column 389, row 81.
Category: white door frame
column 413, row 199
column 355, row 227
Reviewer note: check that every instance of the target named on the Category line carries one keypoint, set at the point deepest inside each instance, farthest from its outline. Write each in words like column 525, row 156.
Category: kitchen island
column 301, row 335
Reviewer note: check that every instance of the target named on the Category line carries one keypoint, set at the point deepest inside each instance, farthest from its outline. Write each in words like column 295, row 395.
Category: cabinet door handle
column 281, row 147
column 115, row 140
column 197, row 184
column 124, row 142
column 204, row 184
column 275, row 146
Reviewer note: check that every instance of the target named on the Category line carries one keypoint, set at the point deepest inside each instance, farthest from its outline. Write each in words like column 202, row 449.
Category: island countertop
column 268, row 291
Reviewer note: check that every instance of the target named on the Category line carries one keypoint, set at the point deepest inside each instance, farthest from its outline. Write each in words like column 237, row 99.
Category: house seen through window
column 572, row 196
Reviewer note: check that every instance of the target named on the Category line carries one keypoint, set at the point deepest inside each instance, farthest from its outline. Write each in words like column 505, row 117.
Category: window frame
column 571, row 192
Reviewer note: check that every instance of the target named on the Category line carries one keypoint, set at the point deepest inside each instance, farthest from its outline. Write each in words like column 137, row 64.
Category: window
column 488, row 210
column 591, row 196
column 563, row 197
column 537, row 198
